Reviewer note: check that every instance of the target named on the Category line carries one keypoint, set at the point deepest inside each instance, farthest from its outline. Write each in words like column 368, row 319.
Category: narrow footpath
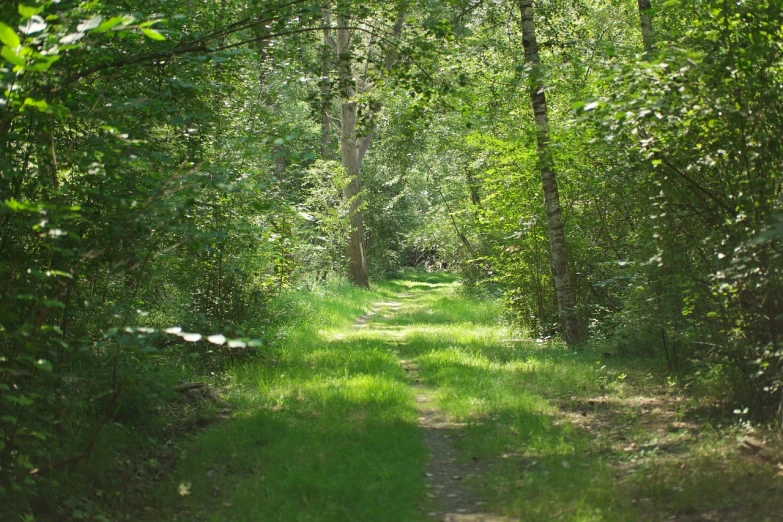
column 450, row 482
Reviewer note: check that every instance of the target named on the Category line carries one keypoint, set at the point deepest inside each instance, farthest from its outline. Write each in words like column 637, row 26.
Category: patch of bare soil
column 658, row 415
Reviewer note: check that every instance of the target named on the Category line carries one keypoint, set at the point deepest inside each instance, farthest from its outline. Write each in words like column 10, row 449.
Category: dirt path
column 448, row 479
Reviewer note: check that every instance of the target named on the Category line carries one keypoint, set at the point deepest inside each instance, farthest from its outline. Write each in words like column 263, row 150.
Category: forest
column 399, row 260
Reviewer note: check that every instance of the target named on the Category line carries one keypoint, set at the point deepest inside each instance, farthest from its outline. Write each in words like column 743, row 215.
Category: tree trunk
column 353, row 148
column 326, row 64
column 645, row 17
column 558, row 255
column 351, row 160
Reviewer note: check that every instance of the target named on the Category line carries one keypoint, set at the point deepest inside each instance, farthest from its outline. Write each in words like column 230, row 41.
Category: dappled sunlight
column 367, row 333
column 366, row 359
column 338, row 395
column 420, row 285
column 479, row 383
column 339, row 426
column 461, row 333
column 511, row 394
column 283, row 463
column 335, row 433
column 443, row 314
column 453, row 356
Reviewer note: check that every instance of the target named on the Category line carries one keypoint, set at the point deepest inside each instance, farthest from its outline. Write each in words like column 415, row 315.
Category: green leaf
column 151, row 22
column 21, row 206
column 43, row 63
column 111, row 332
column 10, row 56
column 24, row 401
column 54, row 273
column 41, row 105
column 152, row 34
column 111, row 23
column 44, row 365
column 9, row 37
column 26, row 11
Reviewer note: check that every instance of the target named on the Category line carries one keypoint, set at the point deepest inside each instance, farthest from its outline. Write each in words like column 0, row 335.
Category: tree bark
column 326, row 65
column 353, row 148
column 573, row 332
column 645, row 17
column 351, row 160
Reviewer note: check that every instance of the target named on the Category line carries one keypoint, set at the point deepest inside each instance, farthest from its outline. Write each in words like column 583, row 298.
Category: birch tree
column 327, row 50
column 558, row 252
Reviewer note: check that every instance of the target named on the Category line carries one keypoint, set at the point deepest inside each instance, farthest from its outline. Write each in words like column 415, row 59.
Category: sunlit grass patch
column 509, row 394
column 326, row 430
column 448, row 309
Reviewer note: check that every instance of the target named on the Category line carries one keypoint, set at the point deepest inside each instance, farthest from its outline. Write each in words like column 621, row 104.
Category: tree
column 353, row 146
column 328, row 48
column 352, row 151
column 573, row 331
column 131, row 207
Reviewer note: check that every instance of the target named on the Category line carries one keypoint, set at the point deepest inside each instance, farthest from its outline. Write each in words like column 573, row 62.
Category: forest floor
column 414, row 402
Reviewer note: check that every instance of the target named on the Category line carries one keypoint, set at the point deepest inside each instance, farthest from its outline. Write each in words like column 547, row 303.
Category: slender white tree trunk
column 558, row 252
column 326, row 65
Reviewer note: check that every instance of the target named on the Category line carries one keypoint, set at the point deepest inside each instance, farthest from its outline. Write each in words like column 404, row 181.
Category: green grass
column 325, row 428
